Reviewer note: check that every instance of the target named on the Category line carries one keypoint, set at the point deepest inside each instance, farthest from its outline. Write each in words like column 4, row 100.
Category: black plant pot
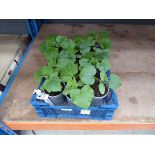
column 69, row 101
column 58, row 99
column 97, row 101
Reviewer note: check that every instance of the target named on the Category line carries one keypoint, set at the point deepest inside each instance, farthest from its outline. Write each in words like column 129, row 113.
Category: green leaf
column 50, row 42
column 71, row 84
column 105, row 43
column 69, row 46
column 46, row 70
column 115, row 81
column 52, row 63
column 67, row 56
column 93, row 34
column 38, row 76
column 106, row 77
column 48, row 50
column 52, row 85
column 104, row 65
column 60, row 39
column 101, row 88
column 65, row 77
column 87, row 75
column 78, row 41
column 103, row 34
column 54, row 73
column 67, row 91
column 99, row 54
column 102, row 75
column 93, row 61
column 42, row 48
column 82, row 97
column 80, row 83
column 90, row 41
column 62, row 63
column 68, row 72
column 52, row 53
column 89, row 55
column 52, row 37
column 84, row 49
column 98, row 50
column 106, row 54
column 84, row 62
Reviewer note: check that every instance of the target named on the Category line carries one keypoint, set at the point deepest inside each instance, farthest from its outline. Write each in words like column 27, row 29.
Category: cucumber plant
column 77, row 63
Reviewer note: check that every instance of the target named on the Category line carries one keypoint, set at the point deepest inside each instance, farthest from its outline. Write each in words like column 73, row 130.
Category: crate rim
column 36, row 103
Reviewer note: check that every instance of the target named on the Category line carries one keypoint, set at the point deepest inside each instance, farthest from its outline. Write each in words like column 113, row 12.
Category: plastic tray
column 102, row 112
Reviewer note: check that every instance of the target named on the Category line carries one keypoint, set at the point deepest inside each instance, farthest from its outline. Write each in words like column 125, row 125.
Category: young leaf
column 103, row 34
column 93, row 61
column 68, row 72
column 115, row 81
column 65, row 55
column 54, row 73
column 71, row 84
column 105, row 77
column 52, row 63
column 84, row 49
column 52, row 53
column 104, row 65
column 42, row 47
column 78, row 41
column 80, row 83
column 82, row 97
column 46, row 70
column 102, row 88
column 99, row 54
column 52, row 37
column 84, row 62
column 98, row 50
column 87, row 75
column 60, row 39
column 89, row 55
column 49, row 44
column 52, row 85
column 106, row 54
column 93, row 34
column 69, row 46
column 38, row 76
column 102, row 75
column 90, row 41
column 62, row 63
column 105, row 43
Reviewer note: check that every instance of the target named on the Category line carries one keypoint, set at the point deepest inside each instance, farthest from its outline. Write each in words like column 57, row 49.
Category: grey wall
column 18, row 26
column 13, row 26
column 103, row 21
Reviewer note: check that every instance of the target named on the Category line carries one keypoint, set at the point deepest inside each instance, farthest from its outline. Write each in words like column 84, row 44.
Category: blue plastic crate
column 102, row 112
column 98, row 112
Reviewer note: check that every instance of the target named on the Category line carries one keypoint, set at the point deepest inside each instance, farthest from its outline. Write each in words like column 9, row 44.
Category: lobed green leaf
column 82, row 97
column 52, row 85
column 87, row 75
column 115, row 81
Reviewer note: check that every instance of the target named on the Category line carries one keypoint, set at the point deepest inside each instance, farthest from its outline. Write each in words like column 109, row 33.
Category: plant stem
column 98, row 79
